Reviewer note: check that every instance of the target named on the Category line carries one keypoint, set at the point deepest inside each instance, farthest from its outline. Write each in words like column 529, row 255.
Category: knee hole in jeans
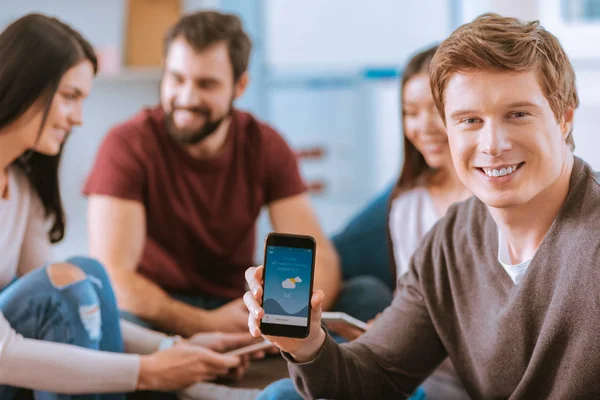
column 64, row 274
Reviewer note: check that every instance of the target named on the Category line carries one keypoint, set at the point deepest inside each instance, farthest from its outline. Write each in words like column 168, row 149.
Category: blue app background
column 287, row 281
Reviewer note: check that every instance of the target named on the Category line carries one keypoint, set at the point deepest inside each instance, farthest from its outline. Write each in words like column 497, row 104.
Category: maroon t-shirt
column 200, row 213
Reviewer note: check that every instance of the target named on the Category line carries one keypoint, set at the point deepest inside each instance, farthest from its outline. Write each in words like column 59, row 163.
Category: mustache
column 196, row 110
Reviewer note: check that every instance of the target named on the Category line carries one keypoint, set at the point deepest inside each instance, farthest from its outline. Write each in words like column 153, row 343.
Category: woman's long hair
column 414, row 163
column 36, row 51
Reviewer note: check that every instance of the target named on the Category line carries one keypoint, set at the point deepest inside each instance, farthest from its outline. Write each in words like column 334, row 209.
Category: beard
column 187, row 137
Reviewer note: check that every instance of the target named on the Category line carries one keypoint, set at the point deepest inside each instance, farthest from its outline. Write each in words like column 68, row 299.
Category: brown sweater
column 537, row 340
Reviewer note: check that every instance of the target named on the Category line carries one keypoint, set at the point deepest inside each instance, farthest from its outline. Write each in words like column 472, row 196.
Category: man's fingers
column 253, row 277
column 256, row 285
column 249, row 275
column 254, row 308
column 257, row 292
column 252, row 282
column 316, row 302
column 317, row 298
column 317, row 305
column 253, row 326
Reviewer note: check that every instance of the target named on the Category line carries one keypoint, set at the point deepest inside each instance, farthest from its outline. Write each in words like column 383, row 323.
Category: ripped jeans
column 83, row 313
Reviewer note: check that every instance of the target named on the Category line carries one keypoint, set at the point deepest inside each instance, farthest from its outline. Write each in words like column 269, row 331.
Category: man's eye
column 518, row 114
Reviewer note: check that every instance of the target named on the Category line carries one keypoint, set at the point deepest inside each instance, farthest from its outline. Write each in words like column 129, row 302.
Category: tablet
column 344, row 318
column 250, row 349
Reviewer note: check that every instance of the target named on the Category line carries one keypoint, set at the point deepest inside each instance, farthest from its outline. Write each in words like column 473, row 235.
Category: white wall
column 581, row 40
column 306, row 34
column 587, row 116
column 522, row 9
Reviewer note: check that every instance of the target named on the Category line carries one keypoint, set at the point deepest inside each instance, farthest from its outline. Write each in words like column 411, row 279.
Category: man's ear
column 241, row 85
column 567, row 121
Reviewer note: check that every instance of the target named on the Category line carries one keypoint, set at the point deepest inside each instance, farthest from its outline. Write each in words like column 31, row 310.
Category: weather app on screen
column 287, row 285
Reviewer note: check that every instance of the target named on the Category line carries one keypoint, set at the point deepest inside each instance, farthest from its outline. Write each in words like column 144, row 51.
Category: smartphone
column 253, row 348
column 288, row 284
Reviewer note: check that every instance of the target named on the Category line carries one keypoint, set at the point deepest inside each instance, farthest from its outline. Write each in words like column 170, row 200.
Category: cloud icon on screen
column 290, row 283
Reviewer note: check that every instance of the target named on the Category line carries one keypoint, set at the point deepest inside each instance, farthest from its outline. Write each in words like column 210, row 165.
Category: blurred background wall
column 325, row 73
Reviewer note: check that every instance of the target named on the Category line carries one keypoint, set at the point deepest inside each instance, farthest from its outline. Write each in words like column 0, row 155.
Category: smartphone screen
column 288, row 280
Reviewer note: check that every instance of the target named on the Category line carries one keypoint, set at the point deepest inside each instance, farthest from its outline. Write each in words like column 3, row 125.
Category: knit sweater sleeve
column 390, row 360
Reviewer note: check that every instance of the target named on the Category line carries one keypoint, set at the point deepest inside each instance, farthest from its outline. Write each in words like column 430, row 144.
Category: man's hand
column 232, row 317
column 302, row 350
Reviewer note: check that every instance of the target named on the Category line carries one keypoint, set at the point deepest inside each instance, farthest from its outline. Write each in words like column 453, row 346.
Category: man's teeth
column 493, row 172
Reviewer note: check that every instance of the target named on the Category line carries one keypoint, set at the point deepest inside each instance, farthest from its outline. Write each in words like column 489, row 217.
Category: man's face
column 197, row 90
column 506, row 143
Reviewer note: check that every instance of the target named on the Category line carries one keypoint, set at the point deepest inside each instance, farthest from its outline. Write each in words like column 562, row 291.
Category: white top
column 35, row 364
column 412, row 215
column 515, row 271
column 24, row 234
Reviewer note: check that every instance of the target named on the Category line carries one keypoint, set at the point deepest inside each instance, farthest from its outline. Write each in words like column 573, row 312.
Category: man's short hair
column 206, row 28
column 496, row 43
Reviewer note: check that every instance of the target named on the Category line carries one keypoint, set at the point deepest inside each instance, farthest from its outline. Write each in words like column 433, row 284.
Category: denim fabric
column 363, row 244
column 365, row 261
column 363, row 297
column 82, row 314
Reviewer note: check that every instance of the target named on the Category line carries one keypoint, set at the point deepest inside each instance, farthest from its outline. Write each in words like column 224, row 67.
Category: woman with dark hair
column 427, row 186
column 428, row 183
column 59, row 325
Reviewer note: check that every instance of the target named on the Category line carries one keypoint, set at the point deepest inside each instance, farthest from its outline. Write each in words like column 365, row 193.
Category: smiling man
column 176, row 191
column 507, row 284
